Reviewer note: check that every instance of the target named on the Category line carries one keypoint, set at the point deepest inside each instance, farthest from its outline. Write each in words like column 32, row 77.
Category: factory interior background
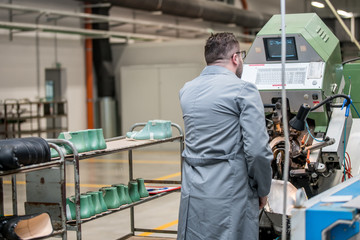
column 125, row 67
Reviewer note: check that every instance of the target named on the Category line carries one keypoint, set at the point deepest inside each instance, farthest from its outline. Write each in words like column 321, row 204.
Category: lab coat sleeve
column 258, row 155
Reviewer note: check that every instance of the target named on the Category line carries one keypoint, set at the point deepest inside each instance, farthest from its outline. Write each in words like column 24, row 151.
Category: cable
column 348, row 168
column 345, row 149
column 349, row 165
column 348, row 101
column 355, row 110
column 350, row 60
column 307, row 127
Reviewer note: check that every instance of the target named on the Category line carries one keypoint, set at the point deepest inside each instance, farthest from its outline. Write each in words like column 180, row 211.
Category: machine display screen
column 273, row 49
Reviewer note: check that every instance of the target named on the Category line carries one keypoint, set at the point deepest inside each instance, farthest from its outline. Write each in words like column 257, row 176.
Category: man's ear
column 235, row 59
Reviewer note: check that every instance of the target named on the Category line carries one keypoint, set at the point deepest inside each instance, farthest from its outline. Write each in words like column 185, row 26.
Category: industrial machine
column 318, row 109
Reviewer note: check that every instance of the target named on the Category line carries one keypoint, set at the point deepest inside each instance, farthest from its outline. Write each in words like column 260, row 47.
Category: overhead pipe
column 99, row 18
column 207, row 10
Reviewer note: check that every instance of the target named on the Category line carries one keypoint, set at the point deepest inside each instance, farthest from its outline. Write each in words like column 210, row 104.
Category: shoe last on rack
column 86, row 210
column 96, row 139
column 84, row 141
column 96, row 202
column 101, row 139
column 154, row 129
column 93, row 143
column 89, row 203
column 111, row 197
column 70, row 210
column 133, row 191
column 79, row 139
column 26, row 227
column 141, row 188
column 127, row 195
column 102, row 201
column 121, row 193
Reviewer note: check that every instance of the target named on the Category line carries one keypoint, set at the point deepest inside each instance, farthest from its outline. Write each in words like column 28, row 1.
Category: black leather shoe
column 26, row 227
column 18, row 152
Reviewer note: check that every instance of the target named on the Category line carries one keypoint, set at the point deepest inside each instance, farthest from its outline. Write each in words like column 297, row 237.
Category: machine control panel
column 297, row 75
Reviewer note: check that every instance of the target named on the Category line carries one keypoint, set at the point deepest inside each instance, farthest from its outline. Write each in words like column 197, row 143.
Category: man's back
column 211, row 106
column 226, row 172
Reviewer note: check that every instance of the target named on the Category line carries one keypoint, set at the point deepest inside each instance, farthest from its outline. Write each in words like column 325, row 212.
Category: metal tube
column 113, row 20
column 37, row 56
column 75, row 162
column 63, row 188
column 10, row 20
column 130, row 166
column 207, row 10
column 79, row 31
column 1, row 197
column 284, row 116
column 318, row 146
column 14, row 194
column 132, row 217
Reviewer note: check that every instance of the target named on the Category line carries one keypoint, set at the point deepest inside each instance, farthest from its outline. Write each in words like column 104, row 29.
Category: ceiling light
column 317, row 4
column 345, row 14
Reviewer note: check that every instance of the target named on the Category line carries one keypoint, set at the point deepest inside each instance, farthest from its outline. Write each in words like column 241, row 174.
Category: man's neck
column 223, row 63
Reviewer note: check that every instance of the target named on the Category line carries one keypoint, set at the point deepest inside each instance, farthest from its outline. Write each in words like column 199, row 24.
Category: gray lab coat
column 227, row 157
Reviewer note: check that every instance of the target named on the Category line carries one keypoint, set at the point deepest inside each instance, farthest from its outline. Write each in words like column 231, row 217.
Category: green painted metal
column 310, row 26
column 352, row 72
column 323, row 41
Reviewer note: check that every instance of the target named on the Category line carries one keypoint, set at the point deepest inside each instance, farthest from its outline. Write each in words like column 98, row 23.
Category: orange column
column 89, row 77
column 244, row 4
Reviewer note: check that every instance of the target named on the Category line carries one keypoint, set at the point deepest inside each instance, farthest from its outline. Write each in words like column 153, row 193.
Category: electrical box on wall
column 55, row 93
column 55, row 84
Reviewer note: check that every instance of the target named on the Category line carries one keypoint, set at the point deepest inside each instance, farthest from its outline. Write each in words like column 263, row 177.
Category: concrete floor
column 161, row 213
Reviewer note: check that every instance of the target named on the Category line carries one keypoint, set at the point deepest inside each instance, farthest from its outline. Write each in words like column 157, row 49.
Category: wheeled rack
column 114, row 145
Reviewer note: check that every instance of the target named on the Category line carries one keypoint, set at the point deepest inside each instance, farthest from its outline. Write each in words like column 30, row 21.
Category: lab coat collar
column 214, row 69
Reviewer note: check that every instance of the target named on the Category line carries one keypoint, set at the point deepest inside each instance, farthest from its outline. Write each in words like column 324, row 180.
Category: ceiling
column 131, row 25
column 203, row 27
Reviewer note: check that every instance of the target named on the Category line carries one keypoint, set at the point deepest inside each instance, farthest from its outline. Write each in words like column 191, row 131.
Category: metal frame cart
column 48, row 181
column 57, row 165
column 115, row 145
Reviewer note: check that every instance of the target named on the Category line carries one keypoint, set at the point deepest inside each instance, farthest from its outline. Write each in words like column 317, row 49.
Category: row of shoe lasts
column 96, row 203
column 84, row 141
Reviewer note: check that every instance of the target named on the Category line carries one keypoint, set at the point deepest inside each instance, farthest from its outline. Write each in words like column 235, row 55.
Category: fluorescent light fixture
column 345, row 14
column 317, row 4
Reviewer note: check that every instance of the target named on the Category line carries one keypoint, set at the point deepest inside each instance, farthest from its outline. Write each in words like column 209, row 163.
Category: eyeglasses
column 242, row 54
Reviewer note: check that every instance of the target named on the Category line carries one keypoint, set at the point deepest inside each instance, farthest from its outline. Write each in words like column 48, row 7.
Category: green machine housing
column 352, row 75
column 313, row 64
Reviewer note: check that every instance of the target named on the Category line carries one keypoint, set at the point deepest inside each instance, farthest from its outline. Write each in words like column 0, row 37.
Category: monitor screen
column 273, row 49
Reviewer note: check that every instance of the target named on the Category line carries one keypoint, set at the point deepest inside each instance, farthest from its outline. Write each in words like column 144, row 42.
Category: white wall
column 150, row 75
column 18, row 69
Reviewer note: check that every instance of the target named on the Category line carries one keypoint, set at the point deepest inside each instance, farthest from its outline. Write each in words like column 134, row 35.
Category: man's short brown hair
column 220, row 46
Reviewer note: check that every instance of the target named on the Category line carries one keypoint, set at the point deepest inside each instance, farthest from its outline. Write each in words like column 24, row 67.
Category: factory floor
column 160, row 213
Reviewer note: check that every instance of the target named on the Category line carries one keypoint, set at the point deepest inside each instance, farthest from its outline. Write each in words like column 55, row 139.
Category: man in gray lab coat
column 226, row 172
